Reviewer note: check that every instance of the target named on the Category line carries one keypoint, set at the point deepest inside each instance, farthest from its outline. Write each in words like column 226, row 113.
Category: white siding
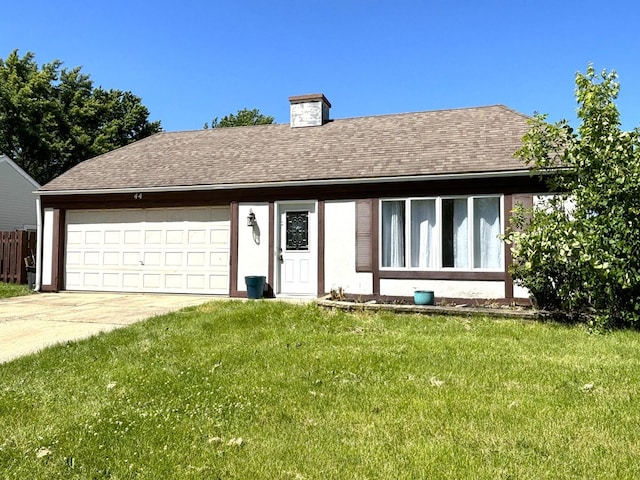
column 340, row 250
column 17, row 202
column 444, row 288
column 253, row 243
column 520, row 292
column 47, row 246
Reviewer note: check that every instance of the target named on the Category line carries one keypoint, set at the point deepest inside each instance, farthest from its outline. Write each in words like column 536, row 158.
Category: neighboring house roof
column 459, row 141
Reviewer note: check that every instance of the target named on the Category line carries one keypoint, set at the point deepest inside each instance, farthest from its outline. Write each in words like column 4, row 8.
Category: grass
column 265, row 390
column 12, row 290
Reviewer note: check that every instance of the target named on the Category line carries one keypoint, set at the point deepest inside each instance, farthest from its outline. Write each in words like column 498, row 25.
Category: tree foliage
column 578, row 252
column 52, row 118
column 244, row 117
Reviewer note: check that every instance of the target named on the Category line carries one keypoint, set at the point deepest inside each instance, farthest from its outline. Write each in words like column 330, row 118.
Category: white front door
column 297, row 256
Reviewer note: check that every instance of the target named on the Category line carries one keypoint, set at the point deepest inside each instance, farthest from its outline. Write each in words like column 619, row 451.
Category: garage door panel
column 111, row 280
column 131, row 281
column 74, row 280
column 175, row 237
column 151, row 280
column 132, row 237
column 158, row 216
column 74, row 258
column 195, row 259
column 199, row 215
column 152, row 259
column 132, row 215
column 74, row 237
column 131, row 259
column 153, row 237
column 176, row 215
column 219, row 259
column 196, row 281
column 196, row 237
column 219, row 236
column 218, row 282
column 180, row 250
column 92, row 237
column 92, row 258
column 112, row 237
column 91, row 279
column 221, row 215
column 172, row 281
column 173, row 259
column 80, row 217
column 111, row 259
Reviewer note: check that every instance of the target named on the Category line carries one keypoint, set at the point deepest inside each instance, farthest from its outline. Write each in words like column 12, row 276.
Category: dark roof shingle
column 470, row 140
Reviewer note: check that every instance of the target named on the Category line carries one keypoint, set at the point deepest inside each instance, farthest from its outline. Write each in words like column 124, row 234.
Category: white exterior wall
column 253, row 243
column 444, row 288
column 340, row 250
column 47, row 246
column 17, row 202
column 520, row 292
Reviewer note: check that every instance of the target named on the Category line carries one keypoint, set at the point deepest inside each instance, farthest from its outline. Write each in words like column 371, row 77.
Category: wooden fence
column 17, row 249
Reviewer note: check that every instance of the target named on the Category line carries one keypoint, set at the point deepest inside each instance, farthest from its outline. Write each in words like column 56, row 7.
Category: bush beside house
column 578, row 251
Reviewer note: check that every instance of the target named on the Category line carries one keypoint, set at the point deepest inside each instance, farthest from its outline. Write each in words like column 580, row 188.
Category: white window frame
column 438, row 232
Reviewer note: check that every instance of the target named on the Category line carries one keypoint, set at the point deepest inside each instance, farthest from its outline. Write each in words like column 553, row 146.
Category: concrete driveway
column 30, row 323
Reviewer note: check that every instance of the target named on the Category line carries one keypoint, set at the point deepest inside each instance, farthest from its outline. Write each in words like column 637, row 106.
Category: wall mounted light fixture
column 251, row 218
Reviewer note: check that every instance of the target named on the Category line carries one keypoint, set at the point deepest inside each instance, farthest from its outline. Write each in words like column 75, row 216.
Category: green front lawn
column 12, row 290
column 266, row 390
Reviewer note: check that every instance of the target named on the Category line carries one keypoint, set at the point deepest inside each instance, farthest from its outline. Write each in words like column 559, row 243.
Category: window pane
column 297, row 231
column 487, row 247
column 455, row 233
column 393, row 234
column 423, row 243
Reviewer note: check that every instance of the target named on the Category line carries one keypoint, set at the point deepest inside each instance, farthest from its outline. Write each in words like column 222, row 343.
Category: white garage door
column 169, row 250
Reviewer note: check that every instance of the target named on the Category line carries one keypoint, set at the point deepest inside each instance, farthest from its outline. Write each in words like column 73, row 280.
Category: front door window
column 297, row 231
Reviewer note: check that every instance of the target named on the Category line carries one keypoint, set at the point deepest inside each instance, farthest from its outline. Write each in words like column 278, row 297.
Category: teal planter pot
column 424, row 297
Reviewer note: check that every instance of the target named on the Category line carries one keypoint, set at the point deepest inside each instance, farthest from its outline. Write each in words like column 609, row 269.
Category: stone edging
column 432, row 309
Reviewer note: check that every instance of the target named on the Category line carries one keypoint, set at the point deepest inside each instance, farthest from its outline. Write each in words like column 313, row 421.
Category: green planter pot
column 255, row 286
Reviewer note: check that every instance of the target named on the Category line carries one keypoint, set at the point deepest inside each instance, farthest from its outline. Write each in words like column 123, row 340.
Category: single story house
column 17, row 200
column 378, row 205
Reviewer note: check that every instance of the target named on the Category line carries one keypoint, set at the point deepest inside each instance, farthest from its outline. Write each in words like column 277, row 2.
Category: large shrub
column 579, row 251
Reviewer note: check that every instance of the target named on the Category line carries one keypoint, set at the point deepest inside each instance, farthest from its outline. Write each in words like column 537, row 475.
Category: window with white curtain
column 423, row 239
column 393, row 228
column 487, row 247
column 442, row 233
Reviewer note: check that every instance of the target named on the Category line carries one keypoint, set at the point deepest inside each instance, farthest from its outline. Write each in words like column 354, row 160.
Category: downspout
column 38, row 244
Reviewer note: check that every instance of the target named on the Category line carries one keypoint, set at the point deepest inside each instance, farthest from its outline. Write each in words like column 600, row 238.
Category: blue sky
column 191, row 60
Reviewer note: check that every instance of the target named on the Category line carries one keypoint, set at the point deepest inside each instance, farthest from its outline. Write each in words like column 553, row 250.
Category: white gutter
column 299, row 183
column 38, row 284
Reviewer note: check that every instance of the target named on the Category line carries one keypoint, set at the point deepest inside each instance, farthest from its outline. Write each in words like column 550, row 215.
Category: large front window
column 442, row 233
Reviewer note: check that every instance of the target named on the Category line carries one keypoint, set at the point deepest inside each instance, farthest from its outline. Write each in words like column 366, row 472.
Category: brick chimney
column 309, row 110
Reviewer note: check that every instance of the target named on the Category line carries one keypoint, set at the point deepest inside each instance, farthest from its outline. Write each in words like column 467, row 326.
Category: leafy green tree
column 579, row 251
column 52, row 118
column 244, row 117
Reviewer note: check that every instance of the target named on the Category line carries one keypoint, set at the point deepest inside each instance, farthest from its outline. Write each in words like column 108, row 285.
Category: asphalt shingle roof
column 469, row 140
